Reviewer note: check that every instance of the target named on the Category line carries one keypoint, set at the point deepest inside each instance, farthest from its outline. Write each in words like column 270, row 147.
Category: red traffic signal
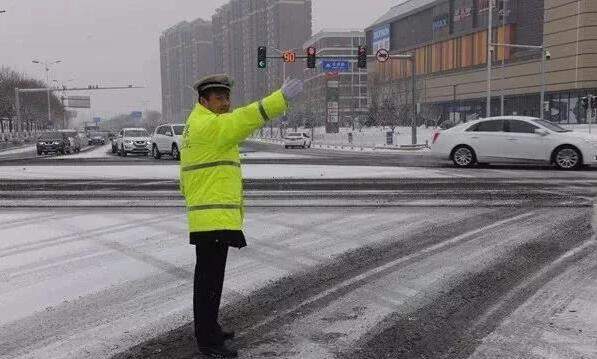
column 362, row 57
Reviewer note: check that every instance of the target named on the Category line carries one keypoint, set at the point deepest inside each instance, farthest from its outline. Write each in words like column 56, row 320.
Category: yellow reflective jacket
column 210, row 173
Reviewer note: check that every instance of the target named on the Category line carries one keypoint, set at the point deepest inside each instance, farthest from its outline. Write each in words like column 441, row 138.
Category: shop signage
column 440, row 22
column 462, row 14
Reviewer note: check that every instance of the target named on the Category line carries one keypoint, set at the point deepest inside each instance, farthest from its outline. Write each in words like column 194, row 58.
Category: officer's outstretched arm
column 233, row 128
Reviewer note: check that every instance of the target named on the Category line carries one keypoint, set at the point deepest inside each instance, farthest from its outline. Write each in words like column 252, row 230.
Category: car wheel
column 113, row 149
column 464, row 156
column 286, row 147
column 155, row 153
column 567, row 158
column 122, row 151
column 39, row 152
column 175, row 152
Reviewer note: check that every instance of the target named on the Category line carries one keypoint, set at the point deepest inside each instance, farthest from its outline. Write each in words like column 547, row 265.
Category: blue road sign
column 329, row 65
column 137, row 115
column 97, row 120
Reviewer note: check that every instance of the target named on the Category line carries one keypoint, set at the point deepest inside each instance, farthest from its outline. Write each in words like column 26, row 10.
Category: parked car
column 53, row 142
column 97, row 138
column 515, row 139
column 133, row 140
column 166, row 139
column 297, row 139
column 76, row 142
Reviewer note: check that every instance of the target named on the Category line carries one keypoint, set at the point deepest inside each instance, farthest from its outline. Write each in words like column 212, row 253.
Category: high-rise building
column 186, row 54
column 240, row 26
column 349, row 81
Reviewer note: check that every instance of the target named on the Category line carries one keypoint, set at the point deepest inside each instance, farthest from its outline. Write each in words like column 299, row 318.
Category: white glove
column 292, row 88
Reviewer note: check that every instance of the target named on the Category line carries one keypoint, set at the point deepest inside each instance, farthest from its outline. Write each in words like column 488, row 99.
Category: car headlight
column 128, row 141
column 148, row 142
column 56, row 143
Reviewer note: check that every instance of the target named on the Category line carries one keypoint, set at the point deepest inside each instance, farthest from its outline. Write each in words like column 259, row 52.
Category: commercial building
column 339, row 78
column 186, row 54
column 450, row 41
column 240, row 26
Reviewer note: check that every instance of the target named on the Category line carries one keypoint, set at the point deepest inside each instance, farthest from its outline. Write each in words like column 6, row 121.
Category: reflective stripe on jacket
column 210, row 173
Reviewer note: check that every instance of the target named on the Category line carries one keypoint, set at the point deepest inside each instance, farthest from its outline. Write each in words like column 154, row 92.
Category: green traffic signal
column 261, row 57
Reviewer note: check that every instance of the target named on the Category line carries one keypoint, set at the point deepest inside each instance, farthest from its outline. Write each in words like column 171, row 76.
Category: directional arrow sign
column 382, row 55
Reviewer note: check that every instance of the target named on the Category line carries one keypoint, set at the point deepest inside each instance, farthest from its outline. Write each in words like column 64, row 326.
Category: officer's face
column 217, row 102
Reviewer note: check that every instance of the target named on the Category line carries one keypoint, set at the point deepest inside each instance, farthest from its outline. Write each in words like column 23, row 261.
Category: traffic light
column 362, row 57
column 311, row 57
column 585, row 102
column 261, row 57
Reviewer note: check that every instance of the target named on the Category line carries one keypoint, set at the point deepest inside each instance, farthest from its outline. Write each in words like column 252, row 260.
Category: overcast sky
column 116, row 42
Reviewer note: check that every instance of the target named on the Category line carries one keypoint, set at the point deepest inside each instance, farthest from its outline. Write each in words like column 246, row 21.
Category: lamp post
column 545, row 55
column 47, row 66
column 489, row 56
column 63, row 85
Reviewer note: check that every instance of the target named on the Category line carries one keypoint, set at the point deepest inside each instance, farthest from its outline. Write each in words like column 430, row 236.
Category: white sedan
column 297, row 139
column 515, row 139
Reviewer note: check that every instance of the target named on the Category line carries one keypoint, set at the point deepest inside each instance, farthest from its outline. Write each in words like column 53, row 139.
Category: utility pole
column 47, row 67
column 489, row 56
column 414, row 108
column 17, row 107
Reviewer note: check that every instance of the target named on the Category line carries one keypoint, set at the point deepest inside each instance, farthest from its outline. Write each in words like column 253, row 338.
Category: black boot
column 218, row 351
column 227, row 334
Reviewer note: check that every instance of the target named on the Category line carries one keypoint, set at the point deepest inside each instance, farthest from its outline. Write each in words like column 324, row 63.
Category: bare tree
column 33, row 105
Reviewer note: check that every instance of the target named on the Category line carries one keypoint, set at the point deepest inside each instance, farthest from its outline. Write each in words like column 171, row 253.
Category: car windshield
column 551, row 126
column 178, row 130
column 135, row 133
column 51, row 136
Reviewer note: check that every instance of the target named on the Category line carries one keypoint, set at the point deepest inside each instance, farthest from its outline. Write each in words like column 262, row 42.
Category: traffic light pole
column 380, row 56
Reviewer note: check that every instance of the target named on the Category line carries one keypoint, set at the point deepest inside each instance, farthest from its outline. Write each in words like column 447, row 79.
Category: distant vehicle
column 515, row 139
column 76, row 142
column 133, row 140
column 97, row 138
column 166, row 139
column 53, row 142
column 297, row 139
column 91, row 128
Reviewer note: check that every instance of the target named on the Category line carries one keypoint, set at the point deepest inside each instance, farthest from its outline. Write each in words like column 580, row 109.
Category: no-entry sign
column 382, row 55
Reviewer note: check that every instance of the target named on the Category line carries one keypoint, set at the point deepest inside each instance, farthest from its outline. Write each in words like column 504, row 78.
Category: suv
column 166, row 140
column 74, row 139
column 53, row 142
column 133, row 140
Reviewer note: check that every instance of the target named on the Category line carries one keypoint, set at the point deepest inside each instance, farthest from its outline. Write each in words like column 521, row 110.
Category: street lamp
column 47, row 66
column 545, row 55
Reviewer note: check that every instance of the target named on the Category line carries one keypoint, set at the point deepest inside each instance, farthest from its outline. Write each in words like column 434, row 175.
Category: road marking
column 592, row 242
column 389, row 265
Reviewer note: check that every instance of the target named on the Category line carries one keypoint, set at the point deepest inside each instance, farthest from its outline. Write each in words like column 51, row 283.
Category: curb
column 352, row 148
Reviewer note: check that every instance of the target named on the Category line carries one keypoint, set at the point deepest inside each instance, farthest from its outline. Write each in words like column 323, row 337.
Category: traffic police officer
column 211, row 182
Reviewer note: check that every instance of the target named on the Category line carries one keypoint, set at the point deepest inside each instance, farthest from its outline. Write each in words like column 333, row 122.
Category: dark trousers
column 209, row 281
